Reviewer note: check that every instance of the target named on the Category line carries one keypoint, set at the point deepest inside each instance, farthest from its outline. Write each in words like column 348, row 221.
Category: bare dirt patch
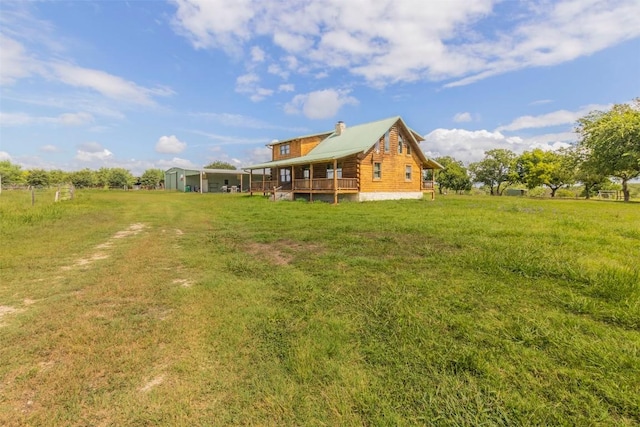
column 281, row 252
column 185, row 283
column 131, row 231
column 152, row 384
column 5, row 309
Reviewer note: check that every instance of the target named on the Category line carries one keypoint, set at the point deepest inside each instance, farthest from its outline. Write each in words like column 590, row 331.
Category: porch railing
column 325, row 184
column 427, row 185
column 260, row 186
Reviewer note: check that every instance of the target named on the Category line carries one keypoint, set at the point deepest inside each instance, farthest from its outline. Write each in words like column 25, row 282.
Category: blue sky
column 143, row 84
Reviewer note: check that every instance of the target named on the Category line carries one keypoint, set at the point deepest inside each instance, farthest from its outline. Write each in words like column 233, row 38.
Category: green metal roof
column 352, row 140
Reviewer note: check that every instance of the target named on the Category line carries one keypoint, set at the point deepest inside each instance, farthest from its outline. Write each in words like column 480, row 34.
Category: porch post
column 433, row 184
column 250, row 187
column 264, row 172
column 311, row 182
column 293, row 179
column 335, row 181
column 201, row 172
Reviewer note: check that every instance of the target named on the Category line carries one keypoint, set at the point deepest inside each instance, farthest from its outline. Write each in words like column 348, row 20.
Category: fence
column 41, row 194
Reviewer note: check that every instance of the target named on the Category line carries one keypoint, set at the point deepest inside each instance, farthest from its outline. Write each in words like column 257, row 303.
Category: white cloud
column 67, row 119
column 386, row 41
column 249, row 84
column 107, row 84
column 239, row 120
column 214, row 23
column 75, row 119
column 16, row 64
column 15, row 119
column 286, row 88
column 177, row 162
column 93, row 156
column 257, row 54
column 91, row 147
column 320, row 104
column 229, row 140
column 170, row 144
column 541, row 102
column 469, row 146
column 49, row 148
column 278, row 71
column 257, row 155
column 462, row 117
column 5, row 156
column 555, row 118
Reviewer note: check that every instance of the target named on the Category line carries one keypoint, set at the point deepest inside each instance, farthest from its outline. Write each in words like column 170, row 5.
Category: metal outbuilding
column 205, row 180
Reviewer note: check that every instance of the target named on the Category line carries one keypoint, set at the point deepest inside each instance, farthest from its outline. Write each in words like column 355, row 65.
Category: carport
column 204, row 180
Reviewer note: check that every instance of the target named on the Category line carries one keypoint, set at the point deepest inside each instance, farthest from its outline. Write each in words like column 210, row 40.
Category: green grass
column 230, row 310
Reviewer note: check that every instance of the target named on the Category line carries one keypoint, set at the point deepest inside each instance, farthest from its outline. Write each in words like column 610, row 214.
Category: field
column 151, row 308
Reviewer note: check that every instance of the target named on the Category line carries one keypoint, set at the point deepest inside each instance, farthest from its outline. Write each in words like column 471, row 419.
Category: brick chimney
column 340, row 127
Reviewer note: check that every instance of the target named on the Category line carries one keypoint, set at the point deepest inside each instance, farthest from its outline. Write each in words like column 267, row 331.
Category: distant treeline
column 13, row 174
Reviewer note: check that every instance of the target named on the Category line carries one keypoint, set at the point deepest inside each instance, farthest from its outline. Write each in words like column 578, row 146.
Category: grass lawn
column 151, row 308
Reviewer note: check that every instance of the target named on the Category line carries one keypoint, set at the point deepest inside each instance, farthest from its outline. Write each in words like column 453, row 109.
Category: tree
column 550, row 168
column 10, row 173
column 219, row 164
column 38, row 177
column 587, row 172
column 57, row 176
column 613, row 141
column 83, row 178
column 101, row 177
column 494, row 170
column 151, row 178
column 454, row 176
column 119, row 177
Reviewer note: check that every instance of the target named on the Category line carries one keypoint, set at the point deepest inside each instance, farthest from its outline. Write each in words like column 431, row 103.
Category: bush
column 538, row 192
column 567, row 193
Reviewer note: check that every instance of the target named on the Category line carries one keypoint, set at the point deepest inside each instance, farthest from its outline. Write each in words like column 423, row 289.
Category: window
column 285, row 149
column 407, row 172
column 306, row 173
column 285, row 175
column 330, row 171
column 377, row 146
column 387, row 145
column 408, row 149
column 377, row 171
column 399, row 144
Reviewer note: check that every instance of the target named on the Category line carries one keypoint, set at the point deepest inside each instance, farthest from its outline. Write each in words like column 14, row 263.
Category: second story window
column 387, row 142
column 400, row 145
column 407, row 172
column 285, row 149
column 408, row 149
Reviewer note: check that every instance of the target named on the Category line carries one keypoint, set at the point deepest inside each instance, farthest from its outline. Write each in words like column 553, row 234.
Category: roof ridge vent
column 340, row 127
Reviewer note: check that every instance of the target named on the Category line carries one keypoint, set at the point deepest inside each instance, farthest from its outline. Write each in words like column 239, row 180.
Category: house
column 205, row 180
column 380, row 160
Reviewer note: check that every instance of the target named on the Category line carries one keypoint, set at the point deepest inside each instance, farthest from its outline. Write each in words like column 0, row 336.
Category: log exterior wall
column 393, row 166
column 297, row 147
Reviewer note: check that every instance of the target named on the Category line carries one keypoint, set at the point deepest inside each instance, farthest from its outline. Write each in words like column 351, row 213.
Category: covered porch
column 312, row 178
